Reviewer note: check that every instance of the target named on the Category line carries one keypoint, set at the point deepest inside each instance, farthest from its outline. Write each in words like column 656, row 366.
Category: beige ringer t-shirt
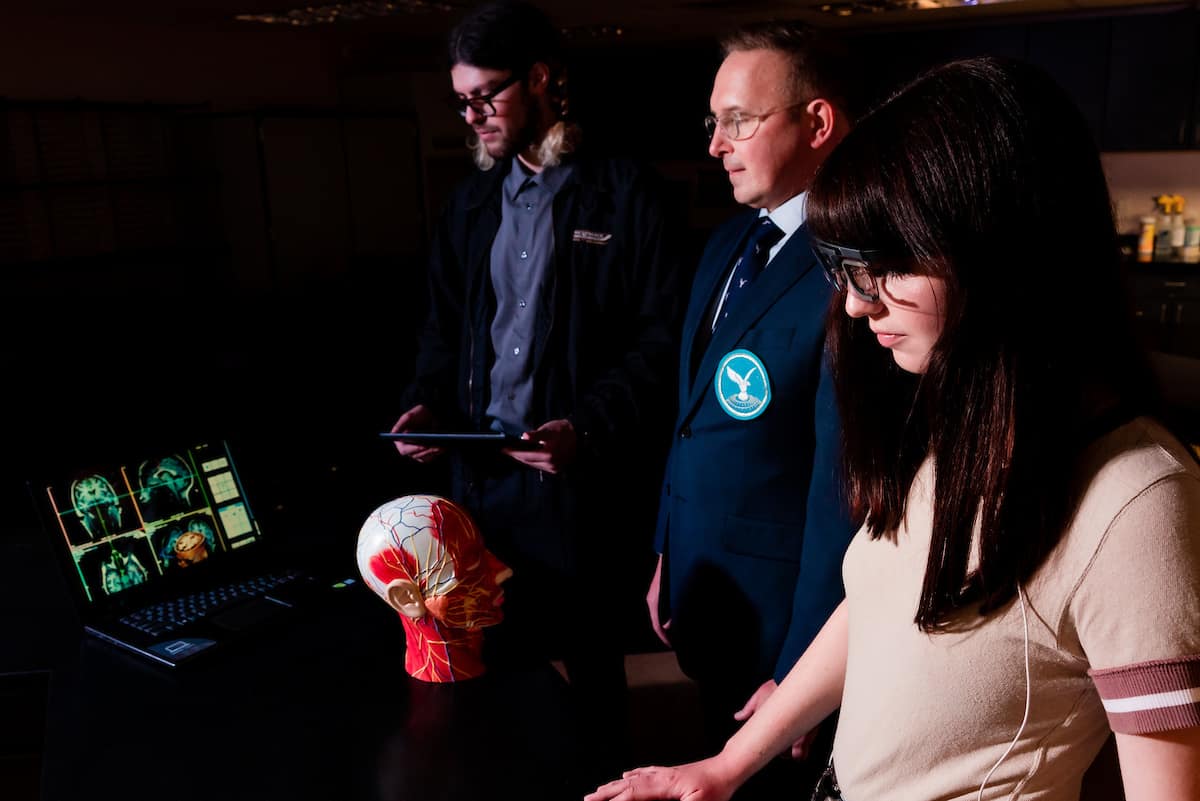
column 1114, row 641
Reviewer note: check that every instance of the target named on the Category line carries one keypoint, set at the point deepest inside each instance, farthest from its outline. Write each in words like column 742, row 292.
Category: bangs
column 849, row 209
column 867, row 195
column 929, row 174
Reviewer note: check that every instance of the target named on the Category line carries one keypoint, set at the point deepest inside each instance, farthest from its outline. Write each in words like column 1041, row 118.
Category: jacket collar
column 486, row 185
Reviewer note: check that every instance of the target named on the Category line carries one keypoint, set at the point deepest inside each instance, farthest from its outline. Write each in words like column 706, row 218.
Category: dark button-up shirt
column 521, row 258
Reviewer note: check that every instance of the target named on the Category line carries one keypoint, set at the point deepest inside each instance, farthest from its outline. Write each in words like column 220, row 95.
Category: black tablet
column 450, row 439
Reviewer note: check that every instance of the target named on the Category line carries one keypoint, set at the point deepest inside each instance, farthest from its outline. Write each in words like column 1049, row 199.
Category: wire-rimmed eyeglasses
column 737, row 126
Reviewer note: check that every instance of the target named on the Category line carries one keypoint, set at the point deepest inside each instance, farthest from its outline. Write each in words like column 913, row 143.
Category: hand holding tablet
column 449, row 439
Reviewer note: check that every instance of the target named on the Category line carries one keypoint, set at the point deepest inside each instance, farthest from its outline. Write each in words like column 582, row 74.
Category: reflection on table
column 319, row 707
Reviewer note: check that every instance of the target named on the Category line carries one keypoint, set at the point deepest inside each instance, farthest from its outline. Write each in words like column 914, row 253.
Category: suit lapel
column 789, row 266
column 710, row 277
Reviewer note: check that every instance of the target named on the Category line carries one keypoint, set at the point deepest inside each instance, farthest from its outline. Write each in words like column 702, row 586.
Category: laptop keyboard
column 169, row 616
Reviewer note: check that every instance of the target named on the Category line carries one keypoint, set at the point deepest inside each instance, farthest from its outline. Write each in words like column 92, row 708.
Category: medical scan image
column 185, row 542
column 99, row 510
column 166, row 486
column 117, row 565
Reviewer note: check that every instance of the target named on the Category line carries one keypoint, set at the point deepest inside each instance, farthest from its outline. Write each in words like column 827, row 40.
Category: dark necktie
column 763, row 236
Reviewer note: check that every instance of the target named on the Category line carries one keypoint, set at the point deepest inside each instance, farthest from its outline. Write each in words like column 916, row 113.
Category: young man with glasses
column 752, row 527
column 554, row 311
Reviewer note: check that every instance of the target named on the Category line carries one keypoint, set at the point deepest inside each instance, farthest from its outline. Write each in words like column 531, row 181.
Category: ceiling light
column 596, row 31
column 353, row 10
column 861, row 7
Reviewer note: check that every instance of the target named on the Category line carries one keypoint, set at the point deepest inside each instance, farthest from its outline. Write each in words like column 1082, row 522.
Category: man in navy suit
column 752, row 524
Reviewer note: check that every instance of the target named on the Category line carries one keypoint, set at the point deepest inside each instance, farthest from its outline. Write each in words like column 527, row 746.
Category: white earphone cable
column 1028, row 697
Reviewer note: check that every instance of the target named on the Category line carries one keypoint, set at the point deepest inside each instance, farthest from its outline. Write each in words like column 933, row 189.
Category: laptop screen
column 132, row 525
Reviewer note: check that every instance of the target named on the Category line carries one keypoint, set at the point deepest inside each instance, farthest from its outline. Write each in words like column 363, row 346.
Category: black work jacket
column 606, row 338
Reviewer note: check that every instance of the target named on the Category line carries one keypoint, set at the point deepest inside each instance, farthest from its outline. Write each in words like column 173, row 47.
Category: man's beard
column 560, row 139
column 486, row 155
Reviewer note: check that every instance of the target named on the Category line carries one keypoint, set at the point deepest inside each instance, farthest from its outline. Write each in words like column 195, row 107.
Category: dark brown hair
column 505, row 35
column 983, row 173
column 513, row 35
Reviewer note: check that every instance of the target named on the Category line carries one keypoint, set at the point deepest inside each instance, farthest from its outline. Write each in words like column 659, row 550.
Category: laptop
column 164, row 553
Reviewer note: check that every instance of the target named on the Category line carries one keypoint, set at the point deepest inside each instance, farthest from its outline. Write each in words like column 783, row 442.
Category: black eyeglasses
column 848, row 268
column 481, row 104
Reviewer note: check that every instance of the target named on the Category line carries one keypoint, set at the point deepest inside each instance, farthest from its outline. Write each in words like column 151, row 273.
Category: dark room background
column 217, row 226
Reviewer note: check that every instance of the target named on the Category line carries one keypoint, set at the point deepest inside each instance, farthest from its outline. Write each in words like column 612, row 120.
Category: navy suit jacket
column 752, row 522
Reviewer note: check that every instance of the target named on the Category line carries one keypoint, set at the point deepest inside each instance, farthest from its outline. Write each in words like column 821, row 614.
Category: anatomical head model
column 424, row 556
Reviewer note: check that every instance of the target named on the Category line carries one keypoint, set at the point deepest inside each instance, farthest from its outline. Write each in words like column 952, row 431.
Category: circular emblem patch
column 742, row 386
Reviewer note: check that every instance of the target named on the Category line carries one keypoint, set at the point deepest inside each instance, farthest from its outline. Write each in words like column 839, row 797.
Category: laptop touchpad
column 254, row 612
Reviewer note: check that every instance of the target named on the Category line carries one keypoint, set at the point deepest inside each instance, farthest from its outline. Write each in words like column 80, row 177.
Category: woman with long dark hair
column 1028, row 576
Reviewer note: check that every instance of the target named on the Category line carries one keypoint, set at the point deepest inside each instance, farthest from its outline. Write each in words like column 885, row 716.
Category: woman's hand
column 705, row 780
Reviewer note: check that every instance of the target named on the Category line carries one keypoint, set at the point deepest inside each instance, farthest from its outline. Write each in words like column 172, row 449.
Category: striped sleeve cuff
column 1151, row 697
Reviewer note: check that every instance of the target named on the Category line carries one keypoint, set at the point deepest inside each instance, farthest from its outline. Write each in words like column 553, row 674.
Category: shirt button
column 521, row 303
column 685, row 432
column 528, row 207
column 516, row 351
column 524, row 254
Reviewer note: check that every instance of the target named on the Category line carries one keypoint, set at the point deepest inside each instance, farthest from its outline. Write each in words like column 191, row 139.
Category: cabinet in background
column 1166, row 306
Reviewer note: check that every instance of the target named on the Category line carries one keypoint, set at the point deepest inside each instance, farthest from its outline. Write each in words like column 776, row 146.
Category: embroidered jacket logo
column 590, row 237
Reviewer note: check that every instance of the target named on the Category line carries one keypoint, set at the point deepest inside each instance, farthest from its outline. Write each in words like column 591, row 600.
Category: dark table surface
column 319, row 707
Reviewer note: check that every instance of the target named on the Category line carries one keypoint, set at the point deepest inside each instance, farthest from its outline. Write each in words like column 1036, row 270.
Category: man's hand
column 557, row 447
column 418, row 418
column 697, row 781
column 799, row 749
column 660, row 627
